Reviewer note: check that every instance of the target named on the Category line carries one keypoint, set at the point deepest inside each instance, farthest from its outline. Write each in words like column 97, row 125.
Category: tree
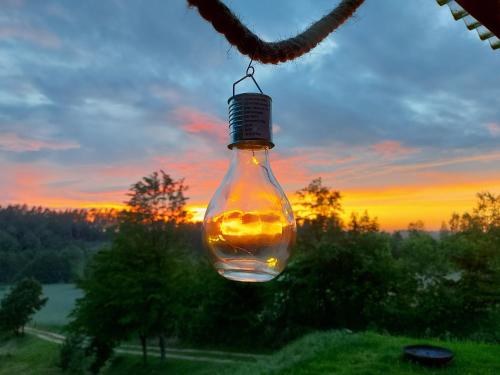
column 8, row 242
column 19, row 305
column 72, row 357
column 363, row 224
column 318, row 215
column 156, row 208
column 485, row 216
column 48, row 267
column 128, row 289
column 158, row 199
column 473, row 248
column 99, row 314
column 341, row 283
column 318, row 202
column 416, row 228
column 487, row 211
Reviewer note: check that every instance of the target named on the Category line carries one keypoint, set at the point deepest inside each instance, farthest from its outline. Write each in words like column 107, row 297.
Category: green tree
column 98, row 315
column 318, row 215
column 363, row 224
column 150, row 231
column 157, row 199
column 129, row 287
column 318, row 202
column 8, row 242
column 19, row 304
column 48, row 267
column 487, row 211
column 338, row 279
column 72, row 357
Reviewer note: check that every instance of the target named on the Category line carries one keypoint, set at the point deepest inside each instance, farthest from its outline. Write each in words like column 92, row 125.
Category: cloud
column 203, row 172
column 202, row 124
column 56, row 10
column 13, row 3
column 15, row 143
column 494, row 129
column 392, row 149
column 22, row 94
column 40, row 37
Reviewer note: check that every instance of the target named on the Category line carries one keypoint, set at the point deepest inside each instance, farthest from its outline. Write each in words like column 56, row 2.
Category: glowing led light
column 272, row 262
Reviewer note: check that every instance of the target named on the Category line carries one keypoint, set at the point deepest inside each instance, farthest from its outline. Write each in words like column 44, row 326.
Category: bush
column 73, row 358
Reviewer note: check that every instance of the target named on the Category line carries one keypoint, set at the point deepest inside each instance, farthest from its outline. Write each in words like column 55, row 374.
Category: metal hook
column 250, row 66
column 250, row 69
column 248, row 74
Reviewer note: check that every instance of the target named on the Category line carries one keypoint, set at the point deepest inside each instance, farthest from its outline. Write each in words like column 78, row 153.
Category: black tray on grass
column 428, row 355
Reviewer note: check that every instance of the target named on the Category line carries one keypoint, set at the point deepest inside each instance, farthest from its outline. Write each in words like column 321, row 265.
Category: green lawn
column 133, row 365
column 336, row 353
column 31, row 356
column 342, row 353
column 28, row 355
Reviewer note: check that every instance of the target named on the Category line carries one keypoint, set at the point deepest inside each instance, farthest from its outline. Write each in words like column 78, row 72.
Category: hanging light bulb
column 249, row 227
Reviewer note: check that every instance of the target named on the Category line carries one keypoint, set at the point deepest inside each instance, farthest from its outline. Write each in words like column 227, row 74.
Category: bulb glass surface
column 249, row 227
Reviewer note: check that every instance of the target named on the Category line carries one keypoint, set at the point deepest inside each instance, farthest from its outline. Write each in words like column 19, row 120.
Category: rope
column 237, row 34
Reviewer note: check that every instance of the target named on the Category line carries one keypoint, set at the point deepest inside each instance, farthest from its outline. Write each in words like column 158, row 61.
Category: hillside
column 342, row 353
column 334, row 352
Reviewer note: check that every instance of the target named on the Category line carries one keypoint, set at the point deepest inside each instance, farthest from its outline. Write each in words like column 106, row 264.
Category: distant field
column 61, row 301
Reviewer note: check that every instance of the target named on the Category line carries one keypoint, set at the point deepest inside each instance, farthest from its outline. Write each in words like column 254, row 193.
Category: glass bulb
column 249, row 227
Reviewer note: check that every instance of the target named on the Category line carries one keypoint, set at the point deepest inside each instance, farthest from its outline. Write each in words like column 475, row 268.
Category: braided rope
column 237, row 34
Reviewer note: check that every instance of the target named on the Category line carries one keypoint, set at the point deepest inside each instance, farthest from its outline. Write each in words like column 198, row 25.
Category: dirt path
column 213, row 356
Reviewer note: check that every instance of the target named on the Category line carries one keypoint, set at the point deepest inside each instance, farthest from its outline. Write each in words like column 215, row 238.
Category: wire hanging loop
column 248, row 74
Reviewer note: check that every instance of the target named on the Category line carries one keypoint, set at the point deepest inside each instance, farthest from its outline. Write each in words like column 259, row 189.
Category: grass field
column 31, row 356
column 61, row 301
column 336, row 353
column 368, row 353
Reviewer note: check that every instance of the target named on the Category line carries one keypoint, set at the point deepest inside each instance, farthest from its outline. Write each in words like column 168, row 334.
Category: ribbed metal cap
column 250, row 120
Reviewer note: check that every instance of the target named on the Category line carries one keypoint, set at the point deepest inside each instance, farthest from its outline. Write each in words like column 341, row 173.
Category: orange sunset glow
column 387, row 186
column 395, row 208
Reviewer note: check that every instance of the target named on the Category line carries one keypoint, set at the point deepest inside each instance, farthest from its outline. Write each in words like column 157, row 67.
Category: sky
column 399, row 110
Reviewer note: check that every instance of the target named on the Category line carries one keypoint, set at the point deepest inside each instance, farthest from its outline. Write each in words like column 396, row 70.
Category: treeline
column 148, row 284
column 48, row 245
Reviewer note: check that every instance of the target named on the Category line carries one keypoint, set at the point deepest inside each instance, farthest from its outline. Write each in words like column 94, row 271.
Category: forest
column 49, row 245
column 145, row 276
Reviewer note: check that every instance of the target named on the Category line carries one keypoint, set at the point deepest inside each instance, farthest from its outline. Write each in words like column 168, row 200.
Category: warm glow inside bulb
column 249, row 227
